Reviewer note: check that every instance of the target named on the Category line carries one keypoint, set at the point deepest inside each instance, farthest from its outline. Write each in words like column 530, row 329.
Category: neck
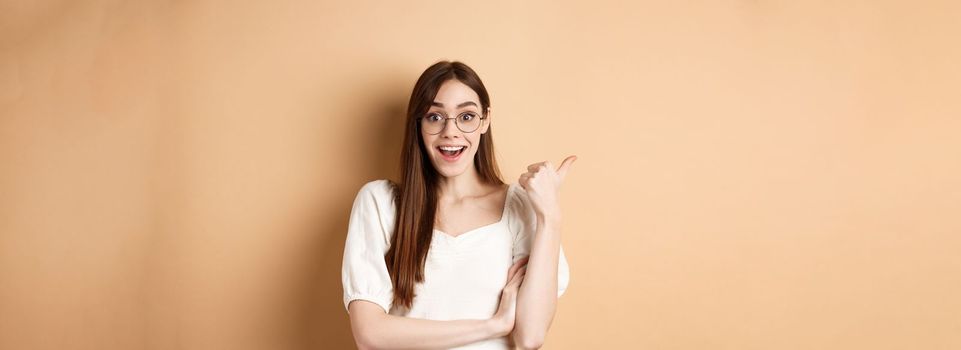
column 461, row 186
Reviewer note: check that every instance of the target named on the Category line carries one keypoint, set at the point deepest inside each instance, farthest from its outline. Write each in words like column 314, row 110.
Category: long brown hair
column 416, row 194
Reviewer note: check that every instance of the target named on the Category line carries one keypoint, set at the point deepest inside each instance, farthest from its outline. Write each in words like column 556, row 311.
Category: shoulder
column 378, row 195
column 375, row 203
column 378, row 188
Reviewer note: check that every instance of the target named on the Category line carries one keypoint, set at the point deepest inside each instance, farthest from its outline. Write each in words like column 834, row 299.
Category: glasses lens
column 432, row 124
column 468, row 122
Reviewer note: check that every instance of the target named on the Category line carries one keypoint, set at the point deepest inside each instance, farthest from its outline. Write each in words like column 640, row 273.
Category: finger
column 533, row 167
column 521, row 274
column 524, row 180
column 521, row 270
column 517, row 265
column 515, row 280
column 518, row 276
column 517, row 272
column 565, row 166
column 525, row 177
column 521, row 262
column 513, row 271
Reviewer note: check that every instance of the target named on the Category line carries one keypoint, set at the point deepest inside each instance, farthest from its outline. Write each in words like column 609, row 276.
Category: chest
column 455, row 219
column 465, row 275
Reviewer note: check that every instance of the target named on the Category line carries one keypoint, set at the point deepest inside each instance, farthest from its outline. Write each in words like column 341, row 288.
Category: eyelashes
column 431, row 114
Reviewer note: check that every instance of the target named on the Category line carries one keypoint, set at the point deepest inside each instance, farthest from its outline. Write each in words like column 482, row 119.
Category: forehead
column 454, row 92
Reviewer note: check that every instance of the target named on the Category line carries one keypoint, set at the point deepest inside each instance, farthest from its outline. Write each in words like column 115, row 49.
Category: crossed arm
column 536, row 306
column 375, row 329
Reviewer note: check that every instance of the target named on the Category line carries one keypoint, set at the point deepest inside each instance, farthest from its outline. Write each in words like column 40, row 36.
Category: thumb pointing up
column 565, row 166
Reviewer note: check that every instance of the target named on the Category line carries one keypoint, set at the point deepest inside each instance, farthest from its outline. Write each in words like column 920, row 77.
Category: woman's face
column 453, row 100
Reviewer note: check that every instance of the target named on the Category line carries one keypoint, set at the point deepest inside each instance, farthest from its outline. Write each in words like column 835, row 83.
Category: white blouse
column 463, row 276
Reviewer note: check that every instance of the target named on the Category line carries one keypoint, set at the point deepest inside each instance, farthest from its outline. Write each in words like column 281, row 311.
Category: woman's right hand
column 504, row 317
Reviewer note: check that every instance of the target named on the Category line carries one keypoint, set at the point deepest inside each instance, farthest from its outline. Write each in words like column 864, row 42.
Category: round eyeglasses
column 434, row 123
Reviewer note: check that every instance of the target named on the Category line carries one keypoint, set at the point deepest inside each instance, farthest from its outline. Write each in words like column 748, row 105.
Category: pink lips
column 454, row 158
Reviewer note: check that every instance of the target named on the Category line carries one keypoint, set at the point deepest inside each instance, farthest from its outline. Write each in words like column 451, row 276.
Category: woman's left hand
column 543, row 185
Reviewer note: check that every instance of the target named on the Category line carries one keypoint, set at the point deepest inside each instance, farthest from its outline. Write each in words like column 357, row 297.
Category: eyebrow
column 465, row 104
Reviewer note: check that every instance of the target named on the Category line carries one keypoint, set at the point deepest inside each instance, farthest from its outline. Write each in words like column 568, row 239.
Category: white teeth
column 451, row 149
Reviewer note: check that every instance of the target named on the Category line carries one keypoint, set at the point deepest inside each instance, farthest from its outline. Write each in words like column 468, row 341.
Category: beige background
column 751, row 174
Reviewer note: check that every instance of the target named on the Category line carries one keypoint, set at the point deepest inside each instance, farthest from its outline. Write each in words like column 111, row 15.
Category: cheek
column 475, row 143
column 426, row 141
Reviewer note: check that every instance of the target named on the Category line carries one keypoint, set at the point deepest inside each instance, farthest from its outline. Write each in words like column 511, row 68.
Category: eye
column 433, row 118
column 467, row 117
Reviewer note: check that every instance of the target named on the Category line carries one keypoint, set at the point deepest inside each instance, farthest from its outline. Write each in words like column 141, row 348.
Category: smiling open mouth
column 451, row 152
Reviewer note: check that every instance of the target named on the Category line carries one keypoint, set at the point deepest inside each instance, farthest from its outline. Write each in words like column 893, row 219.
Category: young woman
column 451, row 256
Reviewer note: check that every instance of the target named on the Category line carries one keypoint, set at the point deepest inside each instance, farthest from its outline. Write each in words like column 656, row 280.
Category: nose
column 450, row 128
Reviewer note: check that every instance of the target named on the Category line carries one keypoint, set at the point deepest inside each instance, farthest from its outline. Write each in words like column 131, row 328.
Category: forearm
column 395, row 332
column 537, row 297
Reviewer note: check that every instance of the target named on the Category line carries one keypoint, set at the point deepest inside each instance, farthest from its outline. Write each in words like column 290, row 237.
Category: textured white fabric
column 464, row 275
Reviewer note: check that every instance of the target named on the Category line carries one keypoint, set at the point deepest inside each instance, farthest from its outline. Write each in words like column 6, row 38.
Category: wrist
column 548, row 220
column 497, row 326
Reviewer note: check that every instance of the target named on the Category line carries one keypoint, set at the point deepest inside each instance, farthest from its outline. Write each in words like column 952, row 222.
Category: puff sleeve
column 364, row 272
column 524, row 225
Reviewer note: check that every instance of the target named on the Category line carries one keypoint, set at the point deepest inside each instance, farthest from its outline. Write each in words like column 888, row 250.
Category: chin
column 446, row 169
column 451, row 171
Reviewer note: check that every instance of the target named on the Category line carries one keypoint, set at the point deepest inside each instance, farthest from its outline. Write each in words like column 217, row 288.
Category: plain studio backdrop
column 751, row 174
